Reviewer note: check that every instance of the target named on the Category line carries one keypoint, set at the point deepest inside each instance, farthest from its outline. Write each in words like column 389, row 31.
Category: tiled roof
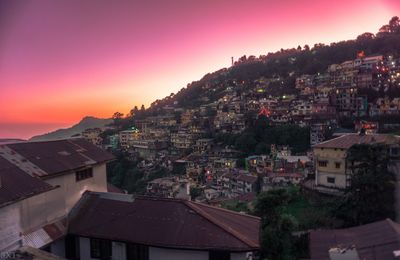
column 348, row 140
column 15, row 184
column 373, row 241
column 167, row 223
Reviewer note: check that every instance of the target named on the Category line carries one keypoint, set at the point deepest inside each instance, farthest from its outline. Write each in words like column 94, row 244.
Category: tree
column 371, row 194
column 276, row 228
column 394, row 24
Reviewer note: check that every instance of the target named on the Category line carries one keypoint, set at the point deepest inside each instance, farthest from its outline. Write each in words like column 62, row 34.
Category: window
column 100, row 248
column 337, row 165
column 137, row 252
column 322, row 163
column 219, row 255
column 84, row 174
column 330, row 180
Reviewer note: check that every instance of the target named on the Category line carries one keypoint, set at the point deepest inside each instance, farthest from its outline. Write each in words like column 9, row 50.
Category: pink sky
column 63, row 60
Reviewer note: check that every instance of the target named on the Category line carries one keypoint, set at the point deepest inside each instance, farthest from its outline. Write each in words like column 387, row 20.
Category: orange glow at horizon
column 55, row 70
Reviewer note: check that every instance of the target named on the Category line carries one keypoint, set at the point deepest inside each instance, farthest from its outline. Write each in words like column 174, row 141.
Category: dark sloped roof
column 16, row 184
column 62, row 155
column 377, row 240
column 168, row 223
column 348, row 140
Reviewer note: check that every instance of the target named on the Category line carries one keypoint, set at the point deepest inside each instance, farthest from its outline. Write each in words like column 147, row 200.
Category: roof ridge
column 221, row 225
column 394, row 225
column 225, row 210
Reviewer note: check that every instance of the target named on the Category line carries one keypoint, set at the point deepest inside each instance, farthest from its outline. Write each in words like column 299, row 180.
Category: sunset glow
column 63, row 60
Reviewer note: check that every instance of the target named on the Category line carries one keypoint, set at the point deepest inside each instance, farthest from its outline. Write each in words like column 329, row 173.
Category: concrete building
column 330, row 158
column 40, row 183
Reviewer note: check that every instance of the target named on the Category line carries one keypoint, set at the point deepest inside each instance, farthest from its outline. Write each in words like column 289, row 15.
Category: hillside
column 279, row 70
column 85, row 123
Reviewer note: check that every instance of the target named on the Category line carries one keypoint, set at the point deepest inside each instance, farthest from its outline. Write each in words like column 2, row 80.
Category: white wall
column 174, row 254
column 9, row 227
column 119, row 252
column 72, row 190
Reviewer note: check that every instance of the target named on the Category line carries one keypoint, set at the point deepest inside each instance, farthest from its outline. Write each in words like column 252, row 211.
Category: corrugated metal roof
column 166, row 223
column 45, row 235
column 373, row 241
column 348, row 140
column 16, row 184
column 59, row 156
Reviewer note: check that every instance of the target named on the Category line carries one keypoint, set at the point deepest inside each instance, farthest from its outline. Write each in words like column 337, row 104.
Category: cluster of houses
column 55, row 203
column 183, row 140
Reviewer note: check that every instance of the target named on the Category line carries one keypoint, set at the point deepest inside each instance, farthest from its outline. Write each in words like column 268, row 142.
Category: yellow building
column 331, row 169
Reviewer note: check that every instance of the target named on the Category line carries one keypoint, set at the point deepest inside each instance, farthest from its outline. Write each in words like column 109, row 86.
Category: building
column 331, row 166
column 148, row 148
column 182, row 140
column 110, row 226
column 238, row 183
column 93, row 135
column 40, row 183
column 126, row 137
column 203, row 145
column 375, row 241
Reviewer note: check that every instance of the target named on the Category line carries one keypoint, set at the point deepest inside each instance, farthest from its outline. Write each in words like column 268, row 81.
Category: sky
column 61, row 60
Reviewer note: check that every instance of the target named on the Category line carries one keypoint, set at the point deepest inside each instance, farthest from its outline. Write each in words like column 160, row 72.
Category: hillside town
column 234, row 166
column 186, row 143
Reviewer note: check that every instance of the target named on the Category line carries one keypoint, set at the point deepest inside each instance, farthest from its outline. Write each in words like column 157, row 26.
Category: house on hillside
column 332, row 173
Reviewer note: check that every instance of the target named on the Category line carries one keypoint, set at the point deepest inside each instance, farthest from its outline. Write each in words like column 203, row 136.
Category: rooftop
column 348, row 140
column 15, row 184
column 161, row 222
column 377, row 240
column 53, row 157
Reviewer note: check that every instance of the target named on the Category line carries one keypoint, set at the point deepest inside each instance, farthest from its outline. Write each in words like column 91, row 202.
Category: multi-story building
column 203, row 145
column 93, row 135
column 126, row 137
column 332, row 172
column 182, row 140
column 39, row 185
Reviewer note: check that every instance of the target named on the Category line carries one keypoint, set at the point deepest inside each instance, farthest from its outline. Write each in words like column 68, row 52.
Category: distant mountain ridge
column 85, row 123
column 10, row 140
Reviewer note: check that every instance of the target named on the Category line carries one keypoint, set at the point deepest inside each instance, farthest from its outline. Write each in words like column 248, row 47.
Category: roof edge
column 221, row 225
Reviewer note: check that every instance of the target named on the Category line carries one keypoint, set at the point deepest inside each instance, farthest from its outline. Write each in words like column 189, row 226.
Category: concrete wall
column 174, row 254
column 119, row 252
column 34, row 212
column 331, row 156
column 9, row 228
column 71, row 190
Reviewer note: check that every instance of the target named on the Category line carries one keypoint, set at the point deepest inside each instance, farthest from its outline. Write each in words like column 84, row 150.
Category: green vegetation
column 259, row 136
column 371, row 196
column 235, row 205
column 125, row 174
